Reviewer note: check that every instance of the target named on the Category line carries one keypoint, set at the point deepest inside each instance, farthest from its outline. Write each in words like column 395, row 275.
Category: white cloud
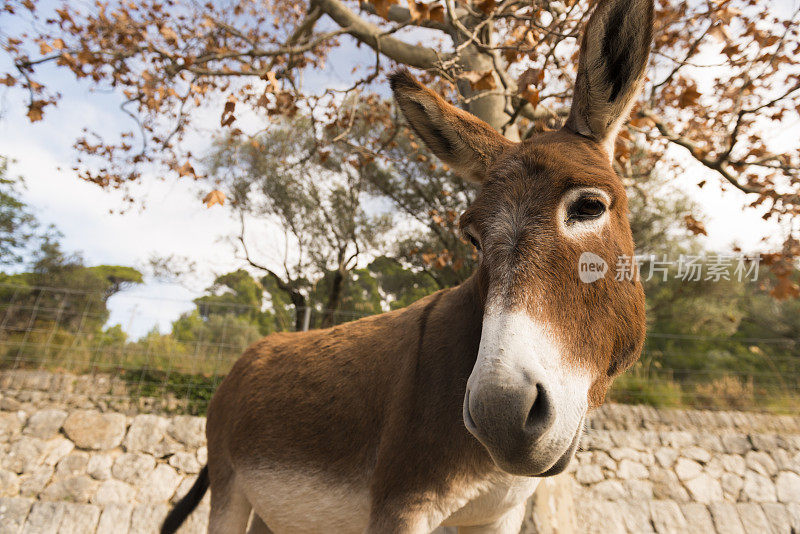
column 140, row 309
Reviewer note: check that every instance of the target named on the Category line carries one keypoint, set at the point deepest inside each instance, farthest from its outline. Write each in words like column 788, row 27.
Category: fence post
column 306, row 318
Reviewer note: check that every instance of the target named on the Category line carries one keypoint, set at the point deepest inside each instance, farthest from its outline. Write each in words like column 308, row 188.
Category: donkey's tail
column 186, row 506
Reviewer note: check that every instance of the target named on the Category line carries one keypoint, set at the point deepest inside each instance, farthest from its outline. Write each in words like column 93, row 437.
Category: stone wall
column 103, row 392
column 642, row 470
column 72, row 461
column 87, row 471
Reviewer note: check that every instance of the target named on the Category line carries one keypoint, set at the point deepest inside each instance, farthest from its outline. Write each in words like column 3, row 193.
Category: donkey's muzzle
column 514, row 425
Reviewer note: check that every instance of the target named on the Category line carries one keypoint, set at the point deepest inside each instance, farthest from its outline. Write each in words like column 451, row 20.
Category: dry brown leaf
column 785, row 288
column 487, row 6
column 480, row 81
column 530, row 77
column 510, row 55
column 418, row 10
column 689, row 96
column 285, row 105
column 640, row 121
column 168, row 34
column 727, row 14
column 531, row 95
column 693, row 225
column 273, row 82
column 382, row 7
column 719, row 33
column 730, row 50
column 186, row 170
column 436, row 13
column 227, row 117
column 214, row 197
column 35, row 110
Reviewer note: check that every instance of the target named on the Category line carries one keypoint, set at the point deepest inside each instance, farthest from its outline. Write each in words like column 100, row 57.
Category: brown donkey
column 447, row 412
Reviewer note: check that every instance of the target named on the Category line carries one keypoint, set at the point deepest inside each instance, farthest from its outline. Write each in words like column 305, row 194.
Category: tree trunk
column 299, row 302
column 335, row 295
column 490, row 108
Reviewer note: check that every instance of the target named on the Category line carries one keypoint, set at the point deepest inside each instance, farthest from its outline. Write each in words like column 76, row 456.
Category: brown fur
column 378, row 402
column 387, row 395
column 611, row 68
column 373, row 397
column 598, row 321
column 461, row 140
column 380, row 398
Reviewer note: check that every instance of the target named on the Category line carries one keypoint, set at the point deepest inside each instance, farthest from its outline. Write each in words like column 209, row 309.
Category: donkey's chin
column 545, row 458
column 561, row 464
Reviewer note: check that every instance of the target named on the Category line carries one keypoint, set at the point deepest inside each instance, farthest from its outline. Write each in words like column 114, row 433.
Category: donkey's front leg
column 403, row 519
column 407, row 523
column 422, row 523
column 508, row 523
column 410, row 513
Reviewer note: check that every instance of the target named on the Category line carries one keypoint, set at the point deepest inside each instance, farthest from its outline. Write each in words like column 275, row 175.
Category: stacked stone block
column 88, row 471
column 82, row 460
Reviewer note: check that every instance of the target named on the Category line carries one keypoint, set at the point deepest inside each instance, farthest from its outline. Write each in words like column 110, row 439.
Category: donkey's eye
column 472, row 240
column 585, row 209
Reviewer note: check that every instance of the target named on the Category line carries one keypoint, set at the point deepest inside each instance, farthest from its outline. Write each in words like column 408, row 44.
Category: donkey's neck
column 425, row 426
column 449, row 332
column 451, row 322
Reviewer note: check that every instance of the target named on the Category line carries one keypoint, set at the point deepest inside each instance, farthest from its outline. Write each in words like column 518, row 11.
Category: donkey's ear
column 614, row 51
column 463, row 141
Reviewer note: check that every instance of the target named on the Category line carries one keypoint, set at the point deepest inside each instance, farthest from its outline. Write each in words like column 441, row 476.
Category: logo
column 591, row 267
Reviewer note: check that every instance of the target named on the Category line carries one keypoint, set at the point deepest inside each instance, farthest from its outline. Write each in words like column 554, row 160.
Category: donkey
column 449, row 412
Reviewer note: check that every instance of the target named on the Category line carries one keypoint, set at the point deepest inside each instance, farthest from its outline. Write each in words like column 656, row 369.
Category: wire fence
column 68, row 330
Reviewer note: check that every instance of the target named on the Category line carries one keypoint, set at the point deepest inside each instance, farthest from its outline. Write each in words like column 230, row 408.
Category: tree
column 722, row 343
column 430, row 197
column 55, row 294
column 509, row 62
column 55, row 310
column 239, row 294
column 315, row 197
column 399, row 285
column 227, row 334
column 17, row 224
column 61, row 291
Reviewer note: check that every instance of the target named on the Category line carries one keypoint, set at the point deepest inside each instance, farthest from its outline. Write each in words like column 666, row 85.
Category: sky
column 174, row 220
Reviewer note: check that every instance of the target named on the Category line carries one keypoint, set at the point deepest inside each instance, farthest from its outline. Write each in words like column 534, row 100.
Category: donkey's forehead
column 560, row 159
column 531, row 178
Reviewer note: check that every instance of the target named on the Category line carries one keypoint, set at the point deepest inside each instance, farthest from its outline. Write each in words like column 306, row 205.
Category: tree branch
column 282, row 285
column 714, row 164
column 417, row 56
column 402, row 15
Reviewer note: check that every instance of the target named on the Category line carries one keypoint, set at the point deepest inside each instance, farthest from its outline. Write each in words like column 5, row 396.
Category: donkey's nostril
column 542, row 414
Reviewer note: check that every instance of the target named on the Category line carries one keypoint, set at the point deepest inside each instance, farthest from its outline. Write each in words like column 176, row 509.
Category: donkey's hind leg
column 230, row 509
